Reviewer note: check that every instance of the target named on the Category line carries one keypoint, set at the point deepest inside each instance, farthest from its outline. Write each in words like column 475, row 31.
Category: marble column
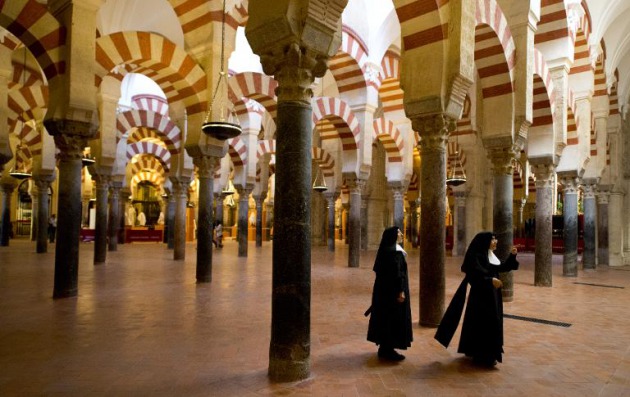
column 544, row 224
column 69, row 216
column 398, row 195
column 5, row 227
column 460, row 223
column 330, row 207
column 206, row 166
column 259, row 199
column 100, row 232
column 346, row 209
column 413, row 222
column 43, row 185
column 34, row 210
column 125, row 193
column 355, row 186
column 170, row 220
column 503, row 209
column 602, row 228
column 243, row 224
column 363, row 219
column 114, row 215
column 615, row 228
column 570, row 231
column 590, row 219
column 180, row 186
column 433, row 132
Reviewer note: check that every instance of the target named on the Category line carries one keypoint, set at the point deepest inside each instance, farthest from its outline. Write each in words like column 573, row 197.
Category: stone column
column 259, row 199
column 544, row 225
column 180, row 187
column 590, row 219
column 114, row 215
column 355, row 186
column 5, row 227
column 413, row 222
column 570, row 231
column 269, row 222
column 503, row 199
column 43, row 185
column 521, row 206
column 243, row 209
column 433, row 132
column 460, row 223
column 206, row 166
column 34, row 210
column 100, row 232
column 602, row 228
column 346, row 209
column 69, row 216
column 363, row 218
column 170, row 220
column 125, row 193
column 615, row 228
column 398, row 194
column 330, row 206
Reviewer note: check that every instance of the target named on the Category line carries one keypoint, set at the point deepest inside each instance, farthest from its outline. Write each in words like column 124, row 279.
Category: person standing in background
column 52, row 228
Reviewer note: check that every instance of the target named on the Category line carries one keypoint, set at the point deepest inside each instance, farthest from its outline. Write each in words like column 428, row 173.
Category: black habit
column 390, row 320
column 482, row 331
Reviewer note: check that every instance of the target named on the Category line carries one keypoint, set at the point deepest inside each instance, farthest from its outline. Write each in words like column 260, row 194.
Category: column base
column 287, row 370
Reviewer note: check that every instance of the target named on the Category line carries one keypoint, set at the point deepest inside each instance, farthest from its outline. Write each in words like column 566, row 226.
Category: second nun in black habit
column 482, row 331
column 390, row 320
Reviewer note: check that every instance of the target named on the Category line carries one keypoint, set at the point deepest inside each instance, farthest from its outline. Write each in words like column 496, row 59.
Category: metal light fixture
column 319, row 185
column 457, row 176
column 87, row 160
column 16, row 172
column 222, row 128
column 229, row 189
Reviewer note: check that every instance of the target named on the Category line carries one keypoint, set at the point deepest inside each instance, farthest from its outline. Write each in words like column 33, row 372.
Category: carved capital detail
column 355, row 185
column 206, row 166
column 434, row 130
column 589, row 191
column 570, row 185
column 502, row 160
column 70, row 146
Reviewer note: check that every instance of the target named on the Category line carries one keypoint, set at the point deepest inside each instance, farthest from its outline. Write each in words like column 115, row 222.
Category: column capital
column 570, row 184
column 180, row 186
column 398, row 190
column 434, row 130
column 502, row 159
column 70, row 146
column 8, row 187
column 43, row 182
column 331, row 196
column 602, row 197
column 589, row 191
column 355, row 185
column 206, row 166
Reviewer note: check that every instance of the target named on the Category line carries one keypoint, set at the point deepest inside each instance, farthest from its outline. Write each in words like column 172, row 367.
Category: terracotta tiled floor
column 141, row 326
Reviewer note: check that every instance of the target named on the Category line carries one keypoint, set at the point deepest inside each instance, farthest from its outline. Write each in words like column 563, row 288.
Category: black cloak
column 482, row 331
column 390, row 320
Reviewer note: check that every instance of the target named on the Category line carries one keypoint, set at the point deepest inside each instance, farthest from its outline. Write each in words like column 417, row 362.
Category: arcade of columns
column 498, row 85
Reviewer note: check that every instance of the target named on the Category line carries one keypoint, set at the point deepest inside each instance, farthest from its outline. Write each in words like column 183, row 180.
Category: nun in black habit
column 390, row 313
column 482, row 331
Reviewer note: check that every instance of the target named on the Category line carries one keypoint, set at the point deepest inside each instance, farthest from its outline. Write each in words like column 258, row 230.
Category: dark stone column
column 206, row 166
column 330, row 207
column 125, row 194
column 243, row 225
column 269, row 222
column 502, row 214
column 100, row 232
column 259, row 199
column 433, row 132
column 460, row 223
column 114, row 215
column 43, row 185
column 69, row 216
column 570, row 231
column 590, row 219
column 34, row 211
column 398, row 194
column 413, row 220
column 363, row 218
column 602, row 228
column 180, row 186
column 170, row 220
column 346, row 208
column 5, row 227
column 355, row 187
column 544, row 225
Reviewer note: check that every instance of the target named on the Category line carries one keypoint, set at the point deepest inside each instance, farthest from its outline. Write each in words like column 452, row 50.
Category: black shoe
column 390, row 354
column 485, row 361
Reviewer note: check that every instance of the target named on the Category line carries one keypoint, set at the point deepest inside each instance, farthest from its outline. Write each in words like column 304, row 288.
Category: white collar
column 492, row 258
column 401, row 249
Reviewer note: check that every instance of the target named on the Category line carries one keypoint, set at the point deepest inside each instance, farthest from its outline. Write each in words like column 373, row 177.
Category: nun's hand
column 401, row 297
column 514, row 251
column 497, row 283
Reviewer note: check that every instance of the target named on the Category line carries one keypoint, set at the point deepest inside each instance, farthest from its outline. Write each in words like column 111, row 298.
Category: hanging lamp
column 87, row 160
column 457, row 176
column 319, row 185
column 16, row 172
column 222, row 128
column 229, row 189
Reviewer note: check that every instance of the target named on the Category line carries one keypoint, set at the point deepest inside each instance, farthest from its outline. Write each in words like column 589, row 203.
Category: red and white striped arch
column 168, row 132
column 544, row 96
column 572, row 128
column 390, row 93
column 39, row 31
column 614, row 98
column 601, row 87
column 553, row 25
column 153, row 177
column 143, row 133
column 341, row 116
column 347, row 66
column 256, row 86
column 148, row 162
column 154, row 56
column 421, row 13
column 325, row 161
column 413, row 183
column 24, row 76
column 517, row 175
column 494, row 50
column 153, row 148
column 387, row 133
column 153, row 103
column 464, row 124
column 28, row 102
column 195, row 14
column 237, row 150
column 30, row 138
